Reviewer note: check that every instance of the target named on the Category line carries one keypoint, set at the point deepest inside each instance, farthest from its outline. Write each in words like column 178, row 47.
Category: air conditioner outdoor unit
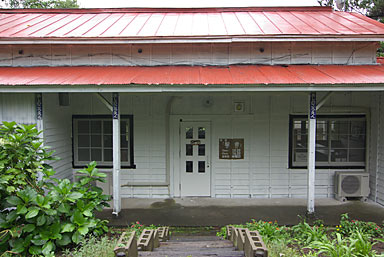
column 351, row 184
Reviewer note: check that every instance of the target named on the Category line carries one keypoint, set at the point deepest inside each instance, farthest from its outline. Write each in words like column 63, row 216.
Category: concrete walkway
column 220, row 212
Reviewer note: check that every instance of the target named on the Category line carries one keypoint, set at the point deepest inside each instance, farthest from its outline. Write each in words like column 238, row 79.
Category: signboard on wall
column 231, row 148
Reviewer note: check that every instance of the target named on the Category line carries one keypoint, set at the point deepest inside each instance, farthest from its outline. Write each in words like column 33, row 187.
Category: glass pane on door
column 189, row 166
column 201, row 166
column 188, row 150
column 188, row 133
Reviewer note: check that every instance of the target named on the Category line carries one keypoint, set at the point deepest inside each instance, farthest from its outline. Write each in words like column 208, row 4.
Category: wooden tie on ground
column 183, row 246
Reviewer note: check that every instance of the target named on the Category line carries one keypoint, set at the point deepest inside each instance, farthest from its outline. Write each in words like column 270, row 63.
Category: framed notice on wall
column 231, row 149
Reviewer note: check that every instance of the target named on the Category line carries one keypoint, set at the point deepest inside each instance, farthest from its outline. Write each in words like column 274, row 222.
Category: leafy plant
column 270, row 231
column 304, row 234
column 349, row 226
column 93, row 246
column 39, row 216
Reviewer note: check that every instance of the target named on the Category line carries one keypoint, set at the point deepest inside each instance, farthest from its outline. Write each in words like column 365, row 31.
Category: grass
column 93, row 246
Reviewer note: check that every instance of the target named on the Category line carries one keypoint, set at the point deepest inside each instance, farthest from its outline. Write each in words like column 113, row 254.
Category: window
column 340, row 141
column 92, row 140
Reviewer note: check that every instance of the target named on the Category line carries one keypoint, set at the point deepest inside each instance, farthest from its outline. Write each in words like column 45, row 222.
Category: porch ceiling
column 186, row 77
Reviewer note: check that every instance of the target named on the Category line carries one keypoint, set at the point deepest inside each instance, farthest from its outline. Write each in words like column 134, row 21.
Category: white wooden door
column 195, row 166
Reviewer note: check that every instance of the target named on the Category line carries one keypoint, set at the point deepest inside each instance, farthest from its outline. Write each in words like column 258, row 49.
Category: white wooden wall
column 17, row 107
column 149, row 140
column 189, row 54
column 57, row 134
column 264, row 126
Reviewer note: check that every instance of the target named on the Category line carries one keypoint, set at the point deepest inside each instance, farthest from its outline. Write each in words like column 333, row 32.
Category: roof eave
column 186, row 39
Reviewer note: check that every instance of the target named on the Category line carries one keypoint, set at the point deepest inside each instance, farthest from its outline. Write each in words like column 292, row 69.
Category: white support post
column 39, row 121
column 116, row 154
column 311, row 153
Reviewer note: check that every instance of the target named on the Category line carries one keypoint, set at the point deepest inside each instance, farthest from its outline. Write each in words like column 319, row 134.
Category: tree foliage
column 44, row 4
column 38, row 216
column 372, row 8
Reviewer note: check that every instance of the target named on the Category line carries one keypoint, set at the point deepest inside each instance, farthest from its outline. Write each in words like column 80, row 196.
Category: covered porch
column 147, row 112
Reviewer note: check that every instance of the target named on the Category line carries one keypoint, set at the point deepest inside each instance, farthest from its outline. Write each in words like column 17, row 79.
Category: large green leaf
column 40, row 200
column 74, row 196
column 64, row 208
column 14, row 200
column 47, row 248
column 29, row 228
column 21, row 209
column 68, row 227
column 83, row 230
column 65, row 240
column 32, row 212
column 35, row 250
column 41, row 220
column 76, row 237
column 78, row 218
column 18, row 245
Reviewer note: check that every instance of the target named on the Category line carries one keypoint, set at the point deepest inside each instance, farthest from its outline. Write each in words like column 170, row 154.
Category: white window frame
column 330, row 164
column 103, row 164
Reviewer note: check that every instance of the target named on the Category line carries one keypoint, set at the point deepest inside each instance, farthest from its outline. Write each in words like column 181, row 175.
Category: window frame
column 126, row 165
column 349, row 117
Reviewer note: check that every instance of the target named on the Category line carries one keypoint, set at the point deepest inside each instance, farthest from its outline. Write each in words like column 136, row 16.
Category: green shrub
column 304, row 234
column 349, row 226
column 270, row 231
column 39, row 216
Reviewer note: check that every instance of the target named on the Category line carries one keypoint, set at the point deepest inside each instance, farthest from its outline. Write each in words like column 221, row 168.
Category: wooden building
column 211, row 102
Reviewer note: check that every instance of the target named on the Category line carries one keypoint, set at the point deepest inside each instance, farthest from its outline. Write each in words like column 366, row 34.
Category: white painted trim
column 116, row 157
column 181, row 40
column 189, row 88
column 311, row 154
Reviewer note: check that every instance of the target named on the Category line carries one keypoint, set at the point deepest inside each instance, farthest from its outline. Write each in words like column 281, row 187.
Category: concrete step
column 195, row 246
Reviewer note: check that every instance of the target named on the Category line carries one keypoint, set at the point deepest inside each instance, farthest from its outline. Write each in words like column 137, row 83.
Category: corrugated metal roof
column 185, row 75
column 225, row 23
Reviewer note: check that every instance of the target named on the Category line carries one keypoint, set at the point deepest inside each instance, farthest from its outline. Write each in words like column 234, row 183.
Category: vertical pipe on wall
column 116, row 154
column 311, row 153
column 39, row 121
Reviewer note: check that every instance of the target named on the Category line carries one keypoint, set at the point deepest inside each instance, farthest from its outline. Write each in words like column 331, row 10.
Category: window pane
column 108, row 141
column 356, row 155
column 107, row 127
column 96, row 140
column 300, row 141
column 83, row 141
column 124, row 155
column 357, row 141
column 300, row 155
column 188, row 133
column 123, row 127
column 83, row 126
column 339, row 155
column 201, row 166
column 339, row 127
column 322, row 155
column 202, row 150
column 188, row 150
column 96, row 155
column 358, row 127
column 189, row 166
column 123, row 142
column 339, row 141
column 96, row 127
column 201, row 132
column 107, row 155
column 84, row 154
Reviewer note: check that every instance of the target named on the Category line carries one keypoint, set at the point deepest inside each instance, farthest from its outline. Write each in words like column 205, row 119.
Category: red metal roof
column 160, row 24
column 182, row 75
